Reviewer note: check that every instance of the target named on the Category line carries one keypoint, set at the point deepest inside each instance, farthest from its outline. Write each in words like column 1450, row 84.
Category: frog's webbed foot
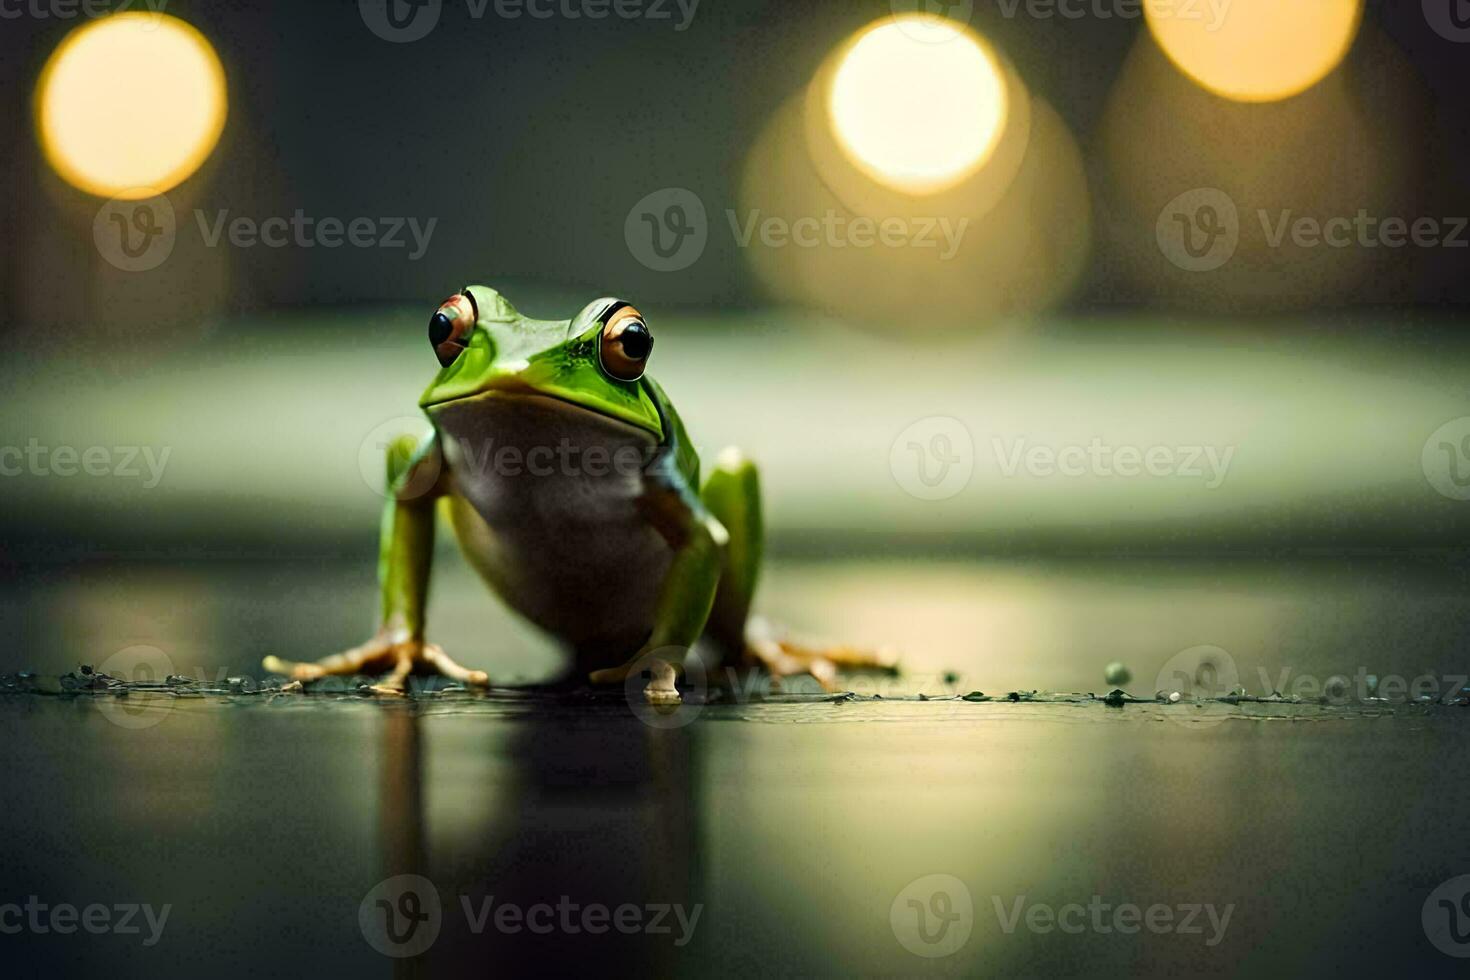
column 393, row 650
column 660, row 674
column 782, row 656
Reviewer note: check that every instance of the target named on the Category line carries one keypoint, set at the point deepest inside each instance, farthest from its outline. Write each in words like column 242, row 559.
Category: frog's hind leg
column 405, row 553
column 732, row 494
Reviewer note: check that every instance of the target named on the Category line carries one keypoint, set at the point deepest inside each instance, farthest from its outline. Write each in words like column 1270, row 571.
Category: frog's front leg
column 405, row 556
column 687, row 593
column 732, row 495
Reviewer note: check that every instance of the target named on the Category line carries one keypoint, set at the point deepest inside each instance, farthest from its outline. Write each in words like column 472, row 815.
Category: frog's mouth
column 515, row 386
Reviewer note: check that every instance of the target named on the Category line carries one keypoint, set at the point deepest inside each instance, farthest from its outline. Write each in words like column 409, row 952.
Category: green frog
column 575, row 492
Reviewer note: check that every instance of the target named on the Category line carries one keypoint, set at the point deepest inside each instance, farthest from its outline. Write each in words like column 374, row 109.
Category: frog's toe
column 785, row 657
column 660, row 674
column 434, row 656
column 389, row 647
column 354, row 661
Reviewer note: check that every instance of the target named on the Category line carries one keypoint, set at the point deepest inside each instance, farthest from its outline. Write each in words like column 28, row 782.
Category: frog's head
column 594, row 360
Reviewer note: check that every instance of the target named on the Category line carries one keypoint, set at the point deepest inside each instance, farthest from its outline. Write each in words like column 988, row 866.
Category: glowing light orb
column 130, row 105
column 1256, row 50
column 914, row 115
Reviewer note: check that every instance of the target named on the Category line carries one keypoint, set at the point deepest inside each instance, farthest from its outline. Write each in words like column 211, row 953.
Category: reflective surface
column 799, row 830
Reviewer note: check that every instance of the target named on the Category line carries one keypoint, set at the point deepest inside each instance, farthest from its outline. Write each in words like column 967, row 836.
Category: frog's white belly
column 545, row 504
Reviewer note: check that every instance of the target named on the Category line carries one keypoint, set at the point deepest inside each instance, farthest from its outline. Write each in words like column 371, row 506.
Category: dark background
column 531, row 138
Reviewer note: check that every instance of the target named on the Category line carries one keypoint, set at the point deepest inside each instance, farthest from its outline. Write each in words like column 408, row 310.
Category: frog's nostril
column 440, row 328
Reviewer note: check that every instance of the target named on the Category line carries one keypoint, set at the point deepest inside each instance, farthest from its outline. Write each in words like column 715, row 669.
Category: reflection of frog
column 574, row 491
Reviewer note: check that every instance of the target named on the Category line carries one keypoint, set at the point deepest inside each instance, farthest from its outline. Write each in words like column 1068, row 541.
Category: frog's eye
column 451, row 325
column 626, row 344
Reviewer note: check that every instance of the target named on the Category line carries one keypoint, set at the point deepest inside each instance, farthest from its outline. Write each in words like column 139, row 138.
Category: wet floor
column 785, row 835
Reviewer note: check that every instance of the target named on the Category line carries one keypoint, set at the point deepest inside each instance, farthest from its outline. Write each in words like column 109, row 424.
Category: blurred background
column 1004, row 281
column 1049, row 222
column 1021, row 280
column 1065, row 331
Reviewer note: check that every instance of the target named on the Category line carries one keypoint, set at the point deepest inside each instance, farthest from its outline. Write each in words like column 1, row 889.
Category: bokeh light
column 917, row 116
column 1346, row 145
column 130, row 105
column 1257, row 50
